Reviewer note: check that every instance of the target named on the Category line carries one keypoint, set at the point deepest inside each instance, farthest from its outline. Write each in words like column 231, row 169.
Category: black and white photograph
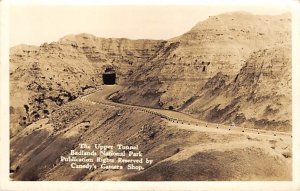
column 152, row 93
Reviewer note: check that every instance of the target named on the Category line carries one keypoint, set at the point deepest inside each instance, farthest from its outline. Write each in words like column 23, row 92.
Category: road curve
column 180, row 120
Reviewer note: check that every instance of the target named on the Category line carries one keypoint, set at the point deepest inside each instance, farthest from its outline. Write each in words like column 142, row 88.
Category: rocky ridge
column 213, row 53
column 46, row 77
column 234, row 67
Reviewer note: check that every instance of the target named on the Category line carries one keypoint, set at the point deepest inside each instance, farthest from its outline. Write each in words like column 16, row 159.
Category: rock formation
column 230, row 68
column 46, row 77
column 212, row 54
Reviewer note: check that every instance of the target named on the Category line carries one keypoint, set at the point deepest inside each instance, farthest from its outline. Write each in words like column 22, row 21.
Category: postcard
column 132, row 96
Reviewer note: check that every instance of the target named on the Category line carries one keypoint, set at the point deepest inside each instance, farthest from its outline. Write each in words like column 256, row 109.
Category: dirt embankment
column 178, row 154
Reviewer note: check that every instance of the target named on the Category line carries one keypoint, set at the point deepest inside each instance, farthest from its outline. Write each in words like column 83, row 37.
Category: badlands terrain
column 176, row 99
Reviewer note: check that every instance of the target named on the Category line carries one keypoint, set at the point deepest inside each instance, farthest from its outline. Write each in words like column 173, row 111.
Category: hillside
column 258, row 97
column 214, row 51
column 230, row 68
column 46, row 77
column 178, row 153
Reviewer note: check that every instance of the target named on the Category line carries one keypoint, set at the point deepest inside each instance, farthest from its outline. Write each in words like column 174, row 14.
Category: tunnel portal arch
column 109, row 76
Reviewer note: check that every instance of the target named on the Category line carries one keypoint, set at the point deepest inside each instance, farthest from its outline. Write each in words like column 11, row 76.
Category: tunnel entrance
column 109, row 76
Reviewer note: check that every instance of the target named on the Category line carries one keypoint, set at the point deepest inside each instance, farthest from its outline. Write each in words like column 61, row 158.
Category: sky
column 36, row 24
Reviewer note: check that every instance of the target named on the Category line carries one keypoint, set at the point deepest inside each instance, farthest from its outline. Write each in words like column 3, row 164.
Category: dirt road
column 180, row 120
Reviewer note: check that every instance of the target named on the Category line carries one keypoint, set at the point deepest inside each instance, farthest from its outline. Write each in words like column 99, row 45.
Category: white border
column 5, row 184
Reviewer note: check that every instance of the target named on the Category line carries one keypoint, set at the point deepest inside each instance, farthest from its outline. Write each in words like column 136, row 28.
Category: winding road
column 178, row 119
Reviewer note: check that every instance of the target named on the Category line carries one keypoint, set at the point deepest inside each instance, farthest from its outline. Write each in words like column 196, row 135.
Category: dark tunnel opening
column 109, row 77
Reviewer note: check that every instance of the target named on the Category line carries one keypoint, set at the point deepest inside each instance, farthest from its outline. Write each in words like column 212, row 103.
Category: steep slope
column 228, row 39
column 178, row 154
column 259, row 96
column 184, row 68
column 235, row 67
column 45, row 77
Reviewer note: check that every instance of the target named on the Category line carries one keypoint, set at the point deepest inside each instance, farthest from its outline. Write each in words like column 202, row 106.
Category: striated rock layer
column 221, row 71
column 219, row 51
column 46, row 77
column 234, row 67
column 259, row 96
